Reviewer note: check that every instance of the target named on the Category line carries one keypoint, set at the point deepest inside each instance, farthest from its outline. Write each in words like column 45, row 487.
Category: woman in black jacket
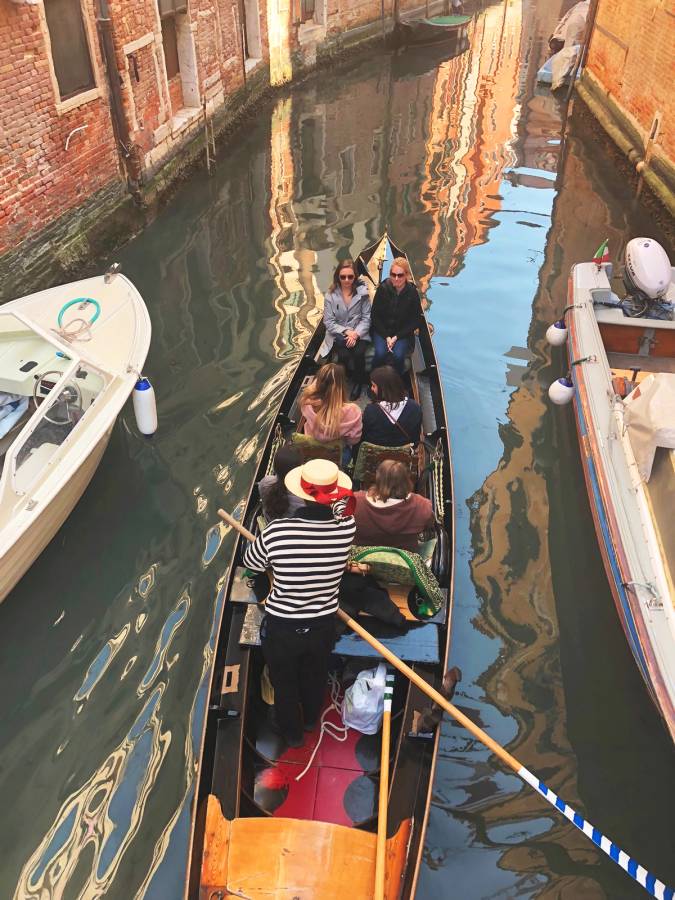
column 396, row 313
column 392, row 419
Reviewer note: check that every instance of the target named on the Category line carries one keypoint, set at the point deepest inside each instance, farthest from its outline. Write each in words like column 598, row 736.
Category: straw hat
column 322, row 475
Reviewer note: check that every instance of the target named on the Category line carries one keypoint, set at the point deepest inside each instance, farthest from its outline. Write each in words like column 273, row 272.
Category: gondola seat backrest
column 371, row 455
column 310, row 448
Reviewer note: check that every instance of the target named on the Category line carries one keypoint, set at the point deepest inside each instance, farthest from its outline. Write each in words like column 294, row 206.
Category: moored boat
column 69, row 359
column 433, row 30
column 622, row 356
column 270, row 818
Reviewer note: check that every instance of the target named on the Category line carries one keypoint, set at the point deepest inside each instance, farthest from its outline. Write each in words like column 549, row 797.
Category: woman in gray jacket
column 346, row 315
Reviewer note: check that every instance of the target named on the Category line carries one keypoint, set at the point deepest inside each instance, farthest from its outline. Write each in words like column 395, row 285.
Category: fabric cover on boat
column 650, row 419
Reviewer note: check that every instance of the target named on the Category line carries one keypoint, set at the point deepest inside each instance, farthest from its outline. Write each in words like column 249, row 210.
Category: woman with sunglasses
column 396, row 313
column 346, row 315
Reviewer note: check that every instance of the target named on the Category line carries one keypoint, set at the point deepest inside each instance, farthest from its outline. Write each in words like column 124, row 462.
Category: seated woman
column 277, row 502
column 396, row 313
column 393, row 418
column 389, row 514
column 346, row 315
column 328, row 415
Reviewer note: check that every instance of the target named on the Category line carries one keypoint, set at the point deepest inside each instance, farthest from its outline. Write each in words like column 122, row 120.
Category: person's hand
column 351, row 337
column 390, row 342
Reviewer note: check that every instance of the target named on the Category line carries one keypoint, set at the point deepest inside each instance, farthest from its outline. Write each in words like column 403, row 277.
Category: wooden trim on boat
column 264, row 857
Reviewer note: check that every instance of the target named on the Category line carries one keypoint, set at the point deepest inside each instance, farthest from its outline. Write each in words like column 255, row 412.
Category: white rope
column 337, row 732
column 76, row 333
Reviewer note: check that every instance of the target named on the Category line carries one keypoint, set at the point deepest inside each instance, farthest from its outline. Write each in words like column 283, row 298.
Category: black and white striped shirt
column 307, row 553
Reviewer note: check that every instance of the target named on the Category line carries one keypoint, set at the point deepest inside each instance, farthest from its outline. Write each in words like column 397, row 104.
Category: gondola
column 434, row 30
column 259, row 830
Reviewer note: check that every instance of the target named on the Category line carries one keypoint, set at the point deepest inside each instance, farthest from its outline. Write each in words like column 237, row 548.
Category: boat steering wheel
column 70, row 400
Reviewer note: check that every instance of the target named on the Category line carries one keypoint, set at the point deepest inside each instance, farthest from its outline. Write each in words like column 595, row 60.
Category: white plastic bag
column 363, row 704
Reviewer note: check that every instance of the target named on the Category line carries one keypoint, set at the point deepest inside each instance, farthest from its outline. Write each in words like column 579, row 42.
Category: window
column 170, row 44
column 348, row 166
column 70, row 48
column 171, row 7
column 306, row 10
column 310, row 151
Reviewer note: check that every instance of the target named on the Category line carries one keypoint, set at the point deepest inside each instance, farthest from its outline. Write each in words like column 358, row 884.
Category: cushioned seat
column 371, row 455
column 390, row 565
column 310, row 448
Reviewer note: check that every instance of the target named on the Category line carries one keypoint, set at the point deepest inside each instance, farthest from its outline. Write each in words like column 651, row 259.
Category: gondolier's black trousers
column 297, row 656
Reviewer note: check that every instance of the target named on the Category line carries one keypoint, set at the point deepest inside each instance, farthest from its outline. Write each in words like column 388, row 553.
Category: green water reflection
column 107, row 642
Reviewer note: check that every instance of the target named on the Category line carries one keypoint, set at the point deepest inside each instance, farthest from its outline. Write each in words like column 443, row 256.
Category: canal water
column 106, row 644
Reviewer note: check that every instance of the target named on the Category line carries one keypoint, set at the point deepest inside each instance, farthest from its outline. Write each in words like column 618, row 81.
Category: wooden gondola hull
column 247, row 780
column 262, row 858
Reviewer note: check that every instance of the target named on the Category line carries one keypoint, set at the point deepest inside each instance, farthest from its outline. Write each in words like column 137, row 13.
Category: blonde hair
column 402, row 263
column 392, row 479
column 327, row 394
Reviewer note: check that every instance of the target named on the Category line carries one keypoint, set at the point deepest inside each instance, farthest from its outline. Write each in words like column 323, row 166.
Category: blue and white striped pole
column 644, row 878
column 637, row 872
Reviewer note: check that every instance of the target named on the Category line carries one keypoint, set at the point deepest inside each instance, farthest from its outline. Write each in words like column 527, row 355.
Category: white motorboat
column 622, row 380
column 70, row 357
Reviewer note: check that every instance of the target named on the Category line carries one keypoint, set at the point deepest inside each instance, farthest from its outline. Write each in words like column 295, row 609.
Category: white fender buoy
column 556, row 334
column 561, row 391
column 145, row 407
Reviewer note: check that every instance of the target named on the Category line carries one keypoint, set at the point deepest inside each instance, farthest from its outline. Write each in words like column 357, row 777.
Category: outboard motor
column 647, row 271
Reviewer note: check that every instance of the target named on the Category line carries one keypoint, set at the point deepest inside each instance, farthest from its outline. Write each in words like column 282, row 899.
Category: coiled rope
column 332, row 729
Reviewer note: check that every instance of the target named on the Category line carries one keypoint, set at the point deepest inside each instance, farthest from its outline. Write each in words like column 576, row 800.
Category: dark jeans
column 383, row 357
column 297, row 657
column 352, row 358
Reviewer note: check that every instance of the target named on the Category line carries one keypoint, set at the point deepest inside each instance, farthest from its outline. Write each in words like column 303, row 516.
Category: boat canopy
column 650, row 419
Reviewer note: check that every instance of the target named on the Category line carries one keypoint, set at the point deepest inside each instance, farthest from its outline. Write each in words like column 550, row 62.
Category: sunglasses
column 398, row 274
column 346, row 277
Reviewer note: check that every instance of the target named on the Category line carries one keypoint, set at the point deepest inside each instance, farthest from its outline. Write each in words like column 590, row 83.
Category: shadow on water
column 107, row 642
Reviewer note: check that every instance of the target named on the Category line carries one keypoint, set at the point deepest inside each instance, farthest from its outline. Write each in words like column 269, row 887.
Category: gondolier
column 307, row 553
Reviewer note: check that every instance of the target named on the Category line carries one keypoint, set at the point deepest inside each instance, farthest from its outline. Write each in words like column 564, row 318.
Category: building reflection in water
column 451, row 153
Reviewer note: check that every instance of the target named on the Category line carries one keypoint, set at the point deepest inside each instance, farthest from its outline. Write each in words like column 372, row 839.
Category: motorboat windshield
column 44, row 394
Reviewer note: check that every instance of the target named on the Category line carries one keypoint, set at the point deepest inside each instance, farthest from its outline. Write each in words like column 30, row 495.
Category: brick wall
column 39, row 178
column 42, row 182
column 632, row 55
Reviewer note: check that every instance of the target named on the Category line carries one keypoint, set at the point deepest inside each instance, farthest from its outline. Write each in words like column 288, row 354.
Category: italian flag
column 602, row 253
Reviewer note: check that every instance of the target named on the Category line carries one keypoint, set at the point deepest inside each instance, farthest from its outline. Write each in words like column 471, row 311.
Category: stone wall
column 627, row 84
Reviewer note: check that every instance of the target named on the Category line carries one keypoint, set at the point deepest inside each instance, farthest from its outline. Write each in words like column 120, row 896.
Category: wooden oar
column 652, row 885
column 381, row 846
column 638, row 873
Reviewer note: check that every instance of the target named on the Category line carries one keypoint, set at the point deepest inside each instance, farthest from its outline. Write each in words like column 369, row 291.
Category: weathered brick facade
column 58, row 156
column 54, row 155
column 628, row 84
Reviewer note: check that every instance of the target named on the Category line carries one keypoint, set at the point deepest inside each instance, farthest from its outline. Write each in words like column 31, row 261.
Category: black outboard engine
column 647, row 276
